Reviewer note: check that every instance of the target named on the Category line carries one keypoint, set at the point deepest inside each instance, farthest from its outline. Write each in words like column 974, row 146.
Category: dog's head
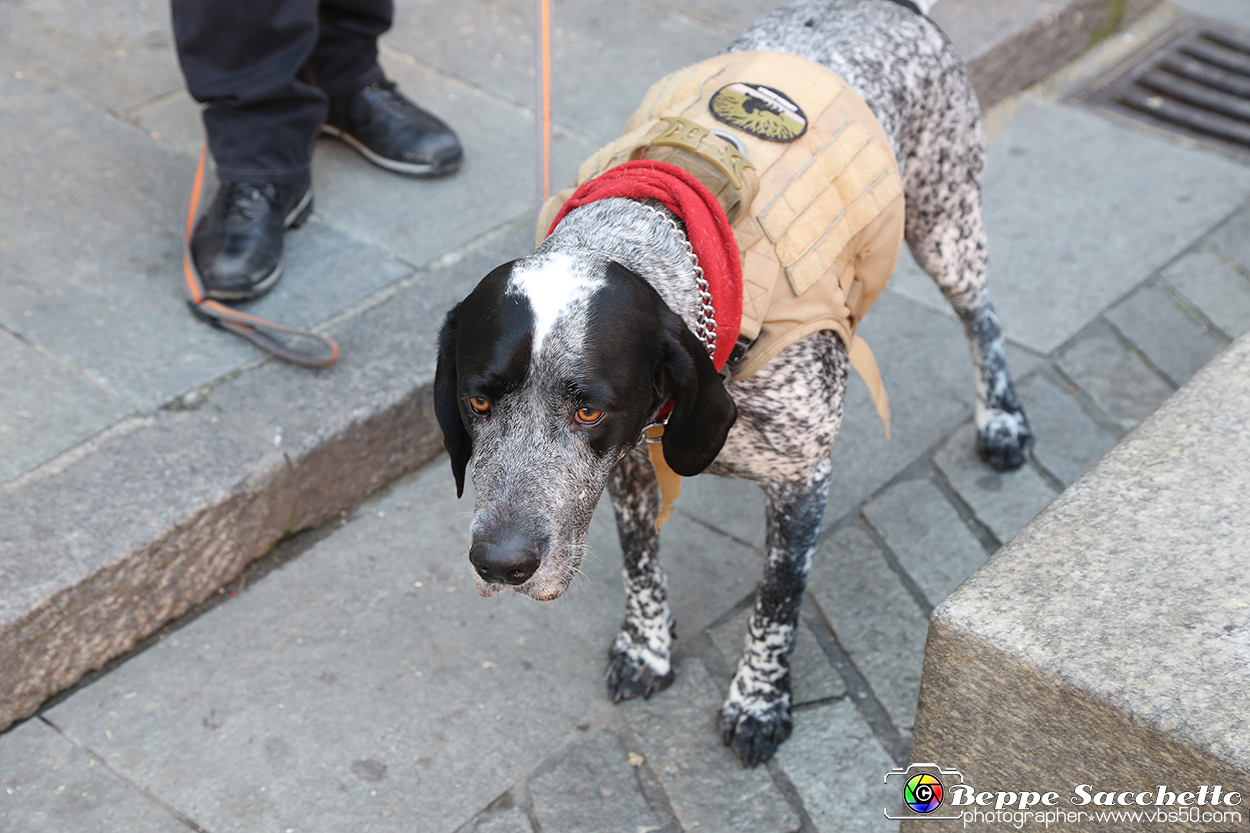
column 547, row 374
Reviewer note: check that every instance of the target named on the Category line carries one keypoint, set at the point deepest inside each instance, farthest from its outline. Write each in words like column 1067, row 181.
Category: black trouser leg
column 345, row 58
column 243, row 61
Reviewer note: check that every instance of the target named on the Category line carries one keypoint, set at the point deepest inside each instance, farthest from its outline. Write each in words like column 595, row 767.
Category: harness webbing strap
column 669, row 480
column 287, row 343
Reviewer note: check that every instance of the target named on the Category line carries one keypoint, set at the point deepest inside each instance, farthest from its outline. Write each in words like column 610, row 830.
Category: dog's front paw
column 754, row 728
column 635, row 670
column 1004, row 439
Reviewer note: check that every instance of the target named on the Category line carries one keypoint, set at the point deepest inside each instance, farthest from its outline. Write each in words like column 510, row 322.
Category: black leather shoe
column 237, row 244
column 391, row 131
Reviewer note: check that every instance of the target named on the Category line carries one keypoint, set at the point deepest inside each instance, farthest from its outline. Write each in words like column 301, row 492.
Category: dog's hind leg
column 639, row 660
column 755, row 718
column 947, row 237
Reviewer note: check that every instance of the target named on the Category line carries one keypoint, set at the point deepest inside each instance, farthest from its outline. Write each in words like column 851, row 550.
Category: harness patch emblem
column 759, row 110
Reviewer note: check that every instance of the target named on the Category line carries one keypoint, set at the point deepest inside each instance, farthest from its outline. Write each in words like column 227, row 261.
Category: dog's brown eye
column 480, row 404
column 588, row 416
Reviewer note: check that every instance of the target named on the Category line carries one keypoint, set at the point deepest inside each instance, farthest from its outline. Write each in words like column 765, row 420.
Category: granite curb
column 1044, row 644
column 161, row 516
column 148, row 519
column 1008, row 46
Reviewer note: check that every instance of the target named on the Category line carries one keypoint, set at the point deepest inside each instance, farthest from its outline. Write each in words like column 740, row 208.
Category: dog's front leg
column 639, row 660
column 755, row 718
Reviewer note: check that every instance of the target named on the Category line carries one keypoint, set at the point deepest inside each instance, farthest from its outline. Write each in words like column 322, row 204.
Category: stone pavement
column 352, row 680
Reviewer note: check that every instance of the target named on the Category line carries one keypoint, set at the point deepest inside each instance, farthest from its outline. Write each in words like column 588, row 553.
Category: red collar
column 706, row 227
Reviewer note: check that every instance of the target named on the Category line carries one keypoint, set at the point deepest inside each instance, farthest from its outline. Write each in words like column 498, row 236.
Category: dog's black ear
column 704, row 412
column 447, row 402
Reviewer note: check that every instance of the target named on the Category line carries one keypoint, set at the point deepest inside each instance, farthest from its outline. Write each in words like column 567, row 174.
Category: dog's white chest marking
column 553, row 285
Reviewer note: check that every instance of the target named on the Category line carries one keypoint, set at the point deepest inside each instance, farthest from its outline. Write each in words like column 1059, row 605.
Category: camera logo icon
column 923, row 793
column 922, row 786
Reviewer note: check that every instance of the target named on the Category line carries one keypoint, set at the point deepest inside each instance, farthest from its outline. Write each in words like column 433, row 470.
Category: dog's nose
column 511, row 560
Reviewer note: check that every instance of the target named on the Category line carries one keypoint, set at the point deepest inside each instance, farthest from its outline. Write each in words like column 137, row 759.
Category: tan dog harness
column 788, row 139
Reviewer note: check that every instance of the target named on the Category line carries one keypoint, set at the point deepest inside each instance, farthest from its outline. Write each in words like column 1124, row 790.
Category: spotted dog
column 549, row 371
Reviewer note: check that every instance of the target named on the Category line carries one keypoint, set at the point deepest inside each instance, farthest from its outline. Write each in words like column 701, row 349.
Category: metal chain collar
column 705, row 326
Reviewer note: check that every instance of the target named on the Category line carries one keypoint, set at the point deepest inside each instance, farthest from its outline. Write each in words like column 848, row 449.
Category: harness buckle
column 650, row 437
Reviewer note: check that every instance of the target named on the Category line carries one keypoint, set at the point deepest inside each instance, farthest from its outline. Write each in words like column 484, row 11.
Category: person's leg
column 345, row 58
column 242, row 61
column 366, row 110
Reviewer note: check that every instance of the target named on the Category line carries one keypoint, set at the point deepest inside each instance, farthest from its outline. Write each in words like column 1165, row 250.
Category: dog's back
column 894, row 57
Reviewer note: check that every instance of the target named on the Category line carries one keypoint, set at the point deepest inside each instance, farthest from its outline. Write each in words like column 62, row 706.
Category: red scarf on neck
column 706, row 227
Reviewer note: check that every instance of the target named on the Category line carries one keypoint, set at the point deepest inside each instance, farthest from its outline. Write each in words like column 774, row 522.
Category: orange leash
column 287, row 343
column 542, row 95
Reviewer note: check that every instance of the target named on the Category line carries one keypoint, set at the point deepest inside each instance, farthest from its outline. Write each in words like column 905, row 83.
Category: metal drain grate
column 1196, row 83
